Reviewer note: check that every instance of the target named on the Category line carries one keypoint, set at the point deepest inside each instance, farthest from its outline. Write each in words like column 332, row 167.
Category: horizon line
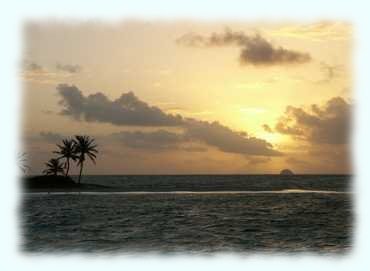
column 203, row 174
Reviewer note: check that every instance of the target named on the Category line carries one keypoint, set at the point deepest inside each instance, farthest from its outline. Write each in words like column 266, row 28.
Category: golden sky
column 187, row 97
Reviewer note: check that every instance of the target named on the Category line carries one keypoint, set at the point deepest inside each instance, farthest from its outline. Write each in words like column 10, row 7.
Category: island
column 52, row 183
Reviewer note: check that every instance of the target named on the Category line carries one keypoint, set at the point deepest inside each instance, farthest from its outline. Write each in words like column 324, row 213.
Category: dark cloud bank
column 128, row 110
column 323, row 132
column 327, row 124
column 254, row 49
column 227, row 140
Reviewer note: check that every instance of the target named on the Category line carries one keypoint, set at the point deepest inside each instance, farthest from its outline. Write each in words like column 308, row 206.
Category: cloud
column 259, row 51
column 267, row 128
column 258, row 160
column 319, row 31
column 194, row 149
column 321, row 158
column 255, row 49
column 155, row 140
column 330, row 72
column 194, row 134
column 126, row 110
column 284, row 128
column 49, row 112
column 68, row 68
column 296, row 162
column 35, row 73
column 227, row 140
column 32, row 66
column 51, row 137
column 327, row 124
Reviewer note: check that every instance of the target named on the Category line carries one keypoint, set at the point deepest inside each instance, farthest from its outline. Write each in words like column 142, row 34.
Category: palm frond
column 53, row 166
column 84, row 145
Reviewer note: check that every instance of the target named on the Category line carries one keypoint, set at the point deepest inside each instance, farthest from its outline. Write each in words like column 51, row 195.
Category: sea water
column 201, row 214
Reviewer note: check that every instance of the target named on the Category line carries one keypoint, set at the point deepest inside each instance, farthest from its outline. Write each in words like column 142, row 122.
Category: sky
column 190, row 97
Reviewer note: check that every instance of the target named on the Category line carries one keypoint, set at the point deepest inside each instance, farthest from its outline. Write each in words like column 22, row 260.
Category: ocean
column 195, row 214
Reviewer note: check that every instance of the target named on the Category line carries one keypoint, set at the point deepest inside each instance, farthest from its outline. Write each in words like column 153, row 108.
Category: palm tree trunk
column 67, row 170
column 79, row 177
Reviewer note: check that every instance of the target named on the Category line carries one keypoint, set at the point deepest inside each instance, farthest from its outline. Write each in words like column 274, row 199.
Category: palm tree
column 22, row 162
column 84, row 146
column 53, row 167
column 67, row 151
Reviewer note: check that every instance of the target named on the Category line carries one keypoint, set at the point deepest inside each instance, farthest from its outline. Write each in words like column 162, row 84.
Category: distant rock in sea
column 286, row 172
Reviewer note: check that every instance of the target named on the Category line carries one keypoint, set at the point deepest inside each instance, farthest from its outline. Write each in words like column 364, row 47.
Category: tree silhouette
column 53, row 167
column 84, row 146
column 67, row 151
column 22, row 162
